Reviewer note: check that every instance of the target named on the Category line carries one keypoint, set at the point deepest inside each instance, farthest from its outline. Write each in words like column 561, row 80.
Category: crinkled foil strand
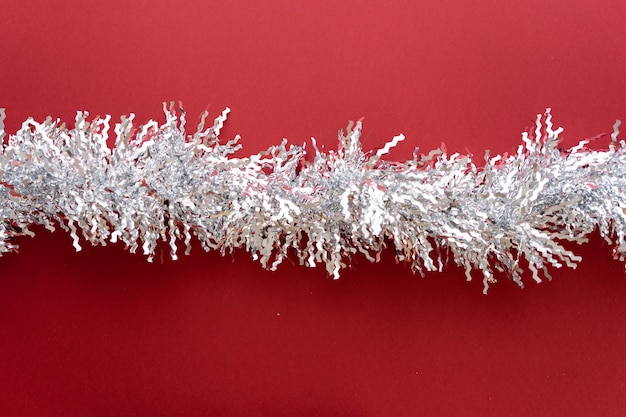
column 159, row 183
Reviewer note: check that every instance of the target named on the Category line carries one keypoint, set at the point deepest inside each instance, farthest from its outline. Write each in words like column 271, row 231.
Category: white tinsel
column 160, row 183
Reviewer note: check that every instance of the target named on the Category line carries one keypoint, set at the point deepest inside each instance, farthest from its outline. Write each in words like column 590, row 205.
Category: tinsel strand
column 159, row 183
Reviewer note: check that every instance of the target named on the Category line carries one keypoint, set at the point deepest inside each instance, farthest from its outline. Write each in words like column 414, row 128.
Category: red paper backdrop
column 103, row 333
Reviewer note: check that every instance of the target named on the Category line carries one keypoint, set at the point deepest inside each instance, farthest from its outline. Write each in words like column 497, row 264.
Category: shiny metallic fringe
column 158, row 183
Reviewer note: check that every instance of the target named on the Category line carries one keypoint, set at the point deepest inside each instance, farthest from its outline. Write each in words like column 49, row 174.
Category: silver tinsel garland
column 158, row 183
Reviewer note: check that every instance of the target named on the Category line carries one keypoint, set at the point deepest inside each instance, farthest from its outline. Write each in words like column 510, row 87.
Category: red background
column 103, row 333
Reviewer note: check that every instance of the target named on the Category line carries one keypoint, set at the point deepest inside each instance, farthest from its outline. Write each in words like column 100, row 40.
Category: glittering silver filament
column 159, row 183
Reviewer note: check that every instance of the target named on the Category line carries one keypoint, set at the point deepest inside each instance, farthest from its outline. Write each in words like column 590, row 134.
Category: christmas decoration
column 159, row 183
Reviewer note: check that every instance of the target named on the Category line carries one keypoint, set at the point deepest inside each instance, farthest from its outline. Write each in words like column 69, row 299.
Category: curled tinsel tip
column 159, row 183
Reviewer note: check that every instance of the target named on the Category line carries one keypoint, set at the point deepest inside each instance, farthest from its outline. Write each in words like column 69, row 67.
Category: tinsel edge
column 159, row 183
